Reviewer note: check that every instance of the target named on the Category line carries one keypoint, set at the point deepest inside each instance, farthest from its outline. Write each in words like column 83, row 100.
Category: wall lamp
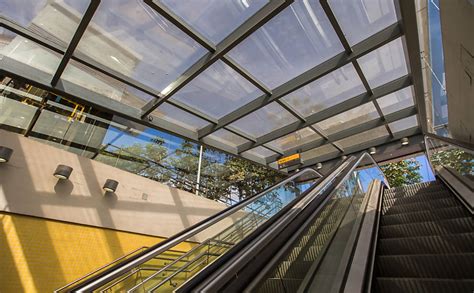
column 405, row 141
column 319, row 166
column 5, row 154
column 110, row 185
column 343, row 157
column 62, row 172
column 372, row 151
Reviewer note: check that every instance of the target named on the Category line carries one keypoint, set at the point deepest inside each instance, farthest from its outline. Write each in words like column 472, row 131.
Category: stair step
column 422, row 285
column 420, row 206
column 294, row 269
column 447, row 266
column 272, row 285
column 413, row 189
column 433, row 228
column 425, row 196
column 424, row 216
column 456, row 243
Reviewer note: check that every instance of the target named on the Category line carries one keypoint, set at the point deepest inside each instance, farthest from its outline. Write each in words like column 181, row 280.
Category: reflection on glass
column 214, row 241
column 15, row 49
column 403, row 124
column 297, row 39
column 179, row 117
column 396, row 101
column 295, row 139
column 348, row 119
column 104, row 85
column 339, row 217
column 55, row 20
column 329, row 90
column 215, row 19
column 260, row 152
column 319, row 153
column 385, row 64
column 131, row 38
column 217, row 91
column 226, row 137
column 361, row 19
column 457, row 160
column 264, row 120
column 363, row 137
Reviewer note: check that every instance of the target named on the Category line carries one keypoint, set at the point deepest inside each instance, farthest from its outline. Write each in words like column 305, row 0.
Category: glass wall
column 148, row 152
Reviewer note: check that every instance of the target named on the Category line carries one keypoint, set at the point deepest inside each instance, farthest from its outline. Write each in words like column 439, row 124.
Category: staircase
column 426, row 241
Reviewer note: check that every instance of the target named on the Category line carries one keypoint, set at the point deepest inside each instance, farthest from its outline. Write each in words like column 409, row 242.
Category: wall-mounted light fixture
column 5, row 154
column 62, row 172
column 319, row 166
column 110, row 185
column 372, row 151
column 404, row 141
column 343, row 157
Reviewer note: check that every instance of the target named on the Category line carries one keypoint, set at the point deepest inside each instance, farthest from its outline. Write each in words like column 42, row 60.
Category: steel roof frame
column 218, row 51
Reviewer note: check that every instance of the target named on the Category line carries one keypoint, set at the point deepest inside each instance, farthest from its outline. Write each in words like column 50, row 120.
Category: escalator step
column 272, row 285
column 294, row 269
column 447, row 266
column 433, row 228
column 397, row 285
column 424, row 216
column 413, row 189
column 420, row 206
column 425, row 196
column 456, row 243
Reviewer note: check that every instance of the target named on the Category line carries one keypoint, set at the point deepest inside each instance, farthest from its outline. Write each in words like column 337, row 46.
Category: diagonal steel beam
column 81, row 28
column 375, row 41
column 332, row 111
column 254, row 22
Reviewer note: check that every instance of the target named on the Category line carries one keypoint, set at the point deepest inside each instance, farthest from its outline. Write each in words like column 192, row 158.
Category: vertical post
column 198, row 178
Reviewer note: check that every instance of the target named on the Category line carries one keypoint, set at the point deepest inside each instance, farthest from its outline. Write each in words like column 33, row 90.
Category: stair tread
column 425, row 216
column 421, row 205
column 439, row 227
column 421, row 285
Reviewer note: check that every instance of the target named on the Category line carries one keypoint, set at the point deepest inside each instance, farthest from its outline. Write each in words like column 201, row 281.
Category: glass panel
column 325, row 237
column 179, row 117
column 264, row 120
column 227, row 137
column 104, row 85
column 131, row 38
column 458, row 160
column 295, row 139
column 55, row 20
column 361, row 19
column 17, row 105
column 164, row 274
column 403, row 124
column 396, row 101
column 215, row 19
column 321, row 151
column 15, row 48
column 297, row 39
column 348, row 119
column 260, row 152
column 366, row 136
column 218, row 91
column 327, row 91
column 384, row 64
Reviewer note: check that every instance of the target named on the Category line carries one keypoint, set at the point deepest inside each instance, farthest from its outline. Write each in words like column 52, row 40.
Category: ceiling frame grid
column 219, row 51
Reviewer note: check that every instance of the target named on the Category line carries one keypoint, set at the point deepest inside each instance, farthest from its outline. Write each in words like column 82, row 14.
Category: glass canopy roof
column 257, row 78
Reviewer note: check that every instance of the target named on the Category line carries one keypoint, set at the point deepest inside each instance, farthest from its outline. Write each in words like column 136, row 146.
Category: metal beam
column 238, row 35
column 81, row 28
column 377, row 40
column 332, row 111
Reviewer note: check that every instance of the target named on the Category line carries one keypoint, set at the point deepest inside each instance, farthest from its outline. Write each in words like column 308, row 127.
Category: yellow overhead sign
column 288, row 161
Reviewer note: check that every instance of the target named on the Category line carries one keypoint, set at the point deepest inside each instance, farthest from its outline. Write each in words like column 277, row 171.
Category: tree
column 459, row 160
column 401, row 173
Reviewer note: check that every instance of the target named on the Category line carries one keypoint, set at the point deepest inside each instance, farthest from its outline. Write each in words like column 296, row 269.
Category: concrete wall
column 140, row 205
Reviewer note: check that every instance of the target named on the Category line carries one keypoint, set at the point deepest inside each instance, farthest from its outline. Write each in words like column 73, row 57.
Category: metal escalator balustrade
column 286, row 256
column 214, row 236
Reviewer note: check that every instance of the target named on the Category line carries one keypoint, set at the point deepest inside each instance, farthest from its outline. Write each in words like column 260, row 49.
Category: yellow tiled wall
column 40, row 255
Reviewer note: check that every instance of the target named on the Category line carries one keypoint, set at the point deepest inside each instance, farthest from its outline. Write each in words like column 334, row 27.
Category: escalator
column 348, row 231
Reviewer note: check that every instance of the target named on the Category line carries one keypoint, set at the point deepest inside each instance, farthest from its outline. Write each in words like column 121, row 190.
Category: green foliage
column 460, row 160
column 401, row 173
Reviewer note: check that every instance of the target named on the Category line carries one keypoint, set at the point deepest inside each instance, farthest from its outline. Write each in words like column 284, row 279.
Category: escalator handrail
column 462, row 145
column 121, row 268
column 232, row 266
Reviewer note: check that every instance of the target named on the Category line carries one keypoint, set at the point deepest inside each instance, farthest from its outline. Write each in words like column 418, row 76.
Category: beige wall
column 140, row 205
